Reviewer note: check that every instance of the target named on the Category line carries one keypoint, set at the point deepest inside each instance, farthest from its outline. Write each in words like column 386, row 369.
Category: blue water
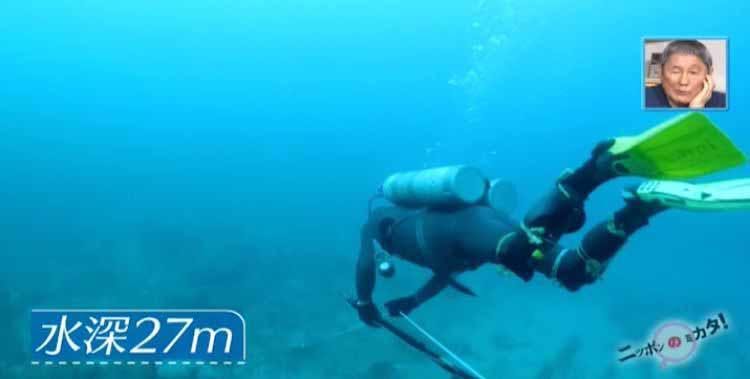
column 221, row 154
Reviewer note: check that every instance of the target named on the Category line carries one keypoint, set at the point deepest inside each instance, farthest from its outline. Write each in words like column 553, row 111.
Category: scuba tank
column 435, row 187
column 501, row 196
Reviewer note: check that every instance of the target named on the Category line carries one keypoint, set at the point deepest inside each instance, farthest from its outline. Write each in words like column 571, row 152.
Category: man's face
column 682, row 77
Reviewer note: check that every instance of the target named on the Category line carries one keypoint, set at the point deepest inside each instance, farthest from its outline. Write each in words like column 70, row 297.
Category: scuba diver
column 445, row 219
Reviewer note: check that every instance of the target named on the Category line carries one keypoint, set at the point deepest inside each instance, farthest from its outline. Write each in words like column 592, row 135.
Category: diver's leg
column 561, row 210
column 574, row 268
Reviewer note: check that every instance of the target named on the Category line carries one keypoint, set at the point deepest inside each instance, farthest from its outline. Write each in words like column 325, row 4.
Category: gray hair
column 688, row 46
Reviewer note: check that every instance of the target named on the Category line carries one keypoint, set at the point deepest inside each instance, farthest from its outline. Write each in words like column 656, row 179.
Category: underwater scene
column 378, row 189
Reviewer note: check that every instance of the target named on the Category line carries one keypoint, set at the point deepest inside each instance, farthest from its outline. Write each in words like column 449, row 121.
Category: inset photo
column 685, row 73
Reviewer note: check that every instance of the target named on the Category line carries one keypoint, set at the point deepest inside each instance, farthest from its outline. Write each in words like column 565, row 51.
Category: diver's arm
column 365, row 275
column 433, row 287
column 407, row 304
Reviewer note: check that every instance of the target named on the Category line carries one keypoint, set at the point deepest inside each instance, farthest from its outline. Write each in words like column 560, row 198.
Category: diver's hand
column 704, row 95
column 402, row 304
column 368, row 312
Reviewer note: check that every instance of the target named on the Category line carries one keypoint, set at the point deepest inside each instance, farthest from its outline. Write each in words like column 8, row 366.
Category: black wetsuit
column 446, row 241
column 453, row 241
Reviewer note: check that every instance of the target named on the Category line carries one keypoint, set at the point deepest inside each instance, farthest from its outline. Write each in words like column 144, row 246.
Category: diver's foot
column 594, row 172
column 648, row 208
column 636, row 212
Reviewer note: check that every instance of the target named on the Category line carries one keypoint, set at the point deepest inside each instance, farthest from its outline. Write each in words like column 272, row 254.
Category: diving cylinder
column 435, row 187
column 501, row 196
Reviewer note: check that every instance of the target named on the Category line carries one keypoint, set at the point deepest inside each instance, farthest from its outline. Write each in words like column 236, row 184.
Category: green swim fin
column 687, row 146
column 726, row 195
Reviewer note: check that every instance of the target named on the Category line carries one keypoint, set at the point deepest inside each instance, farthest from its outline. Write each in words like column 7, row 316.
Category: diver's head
column 685, row 64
